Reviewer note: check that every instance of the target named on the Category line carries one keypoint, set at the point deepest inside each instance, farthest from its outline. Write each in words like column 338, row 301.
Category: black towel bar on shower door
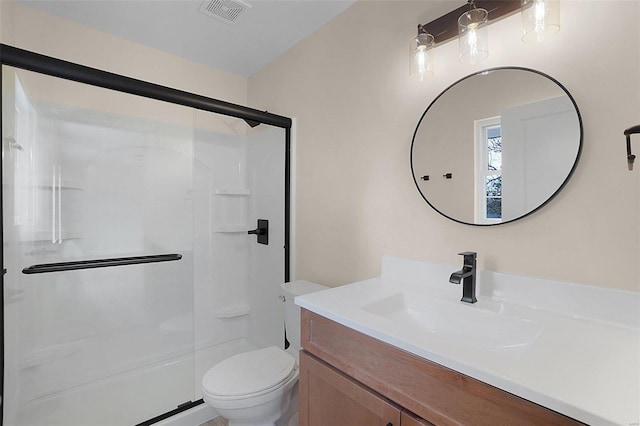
column 98, row 263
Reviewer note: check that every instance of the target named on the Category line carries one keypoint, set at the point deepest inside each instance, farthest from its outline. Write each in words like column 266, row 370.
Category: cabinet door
column 331, row 398
column 410, row 419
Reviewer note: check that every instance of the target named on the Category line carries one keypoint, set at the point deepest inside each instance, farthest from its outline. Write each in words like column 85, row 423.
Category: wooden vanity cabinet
column 345, row 374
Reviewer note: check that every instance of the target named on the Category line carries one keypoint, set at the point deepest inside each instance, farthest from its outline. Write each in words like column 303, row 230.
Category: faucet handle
column 469, row 254
column 469, row 258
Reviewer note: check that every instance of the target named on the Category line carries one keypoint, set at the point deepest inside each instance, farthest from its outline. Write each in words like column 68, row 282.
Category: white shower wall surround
column 122, row 345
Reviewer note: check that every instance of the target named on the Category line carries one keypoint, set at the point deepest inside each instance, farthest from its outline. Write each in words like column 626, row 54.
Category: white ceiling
column 260, row 33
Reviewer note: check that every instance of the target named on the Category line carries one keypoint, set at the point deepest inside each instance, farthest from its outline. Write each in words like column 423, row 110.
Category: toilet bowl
column 259, row 388
column 252, row 388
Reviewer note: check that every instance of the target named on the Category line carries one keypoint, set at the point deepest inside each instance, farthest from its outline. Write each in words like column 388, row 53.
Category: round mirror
column 496, row 146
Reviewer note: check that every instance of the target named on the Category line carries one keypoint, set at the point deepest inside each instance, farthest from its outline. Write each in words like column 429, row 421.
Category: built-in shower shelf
column 48, row 183
column 45, row 236
column 49, row 354
column 55, row 188
column 232, row 311
column 232, row 191
column 231, row 229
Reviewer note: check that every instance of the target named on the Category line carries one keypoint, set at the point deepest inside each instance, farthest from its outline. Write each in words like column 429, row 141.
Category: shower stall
column 145, row 236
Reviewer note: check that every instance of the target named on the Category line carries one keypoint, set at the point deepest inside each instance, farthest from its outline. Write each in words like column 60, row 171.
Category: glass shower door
column 98, row 247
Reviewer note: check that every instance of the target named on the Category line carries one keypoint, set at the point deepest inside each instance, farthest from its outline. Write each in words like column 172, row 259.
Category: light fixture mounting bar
column 445, row 27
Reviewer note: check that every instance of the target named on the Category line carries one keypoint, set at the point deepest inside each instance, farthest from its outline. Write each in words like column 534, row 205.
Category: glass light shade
column 540, row 19
column 473, row 40
column 421, row 56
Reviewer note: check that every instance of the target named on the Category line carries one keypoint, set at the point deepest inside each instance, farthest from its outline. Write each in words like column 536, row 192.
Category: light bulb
column 472, row 41
column 422, row 58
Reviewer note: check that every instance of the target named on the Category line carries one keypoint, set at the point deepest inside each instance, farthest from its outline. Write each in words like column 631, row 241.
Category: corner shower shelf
column 47, row 183
column 232, row 191
column 49, row 354
column 62, row 187
column 45, row 236
column 232, row 311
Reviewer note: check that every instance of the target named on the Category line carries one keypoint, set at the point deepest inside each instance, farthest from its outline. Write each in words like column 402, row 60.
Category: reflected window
column 488, row 170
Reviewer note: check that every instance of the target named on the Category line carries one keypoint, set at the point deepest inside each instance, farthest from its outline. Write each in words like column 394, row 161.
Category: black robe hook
column 630, row 157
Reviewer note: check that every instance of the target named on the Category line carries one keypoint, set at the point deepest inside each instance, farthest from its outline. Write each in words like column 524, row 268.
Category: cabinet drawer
column 435, row 393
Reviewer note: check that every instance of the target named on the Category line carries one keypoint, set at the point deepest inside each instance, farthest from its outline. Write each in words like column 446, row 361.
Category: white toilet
column 259, row 388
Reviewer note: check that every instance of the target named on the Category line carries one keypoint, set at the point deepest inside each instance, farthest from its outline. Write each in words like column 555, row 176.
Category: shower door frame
column 31, row 61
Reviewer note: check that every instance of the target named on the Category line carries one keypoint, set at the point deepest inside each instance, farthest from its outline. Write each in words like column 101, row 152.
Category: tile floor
column 218, row 421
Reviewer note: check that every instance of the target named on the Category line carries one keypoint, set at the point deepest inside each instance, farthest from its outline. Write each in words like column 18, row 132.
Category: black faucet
column 468, row 277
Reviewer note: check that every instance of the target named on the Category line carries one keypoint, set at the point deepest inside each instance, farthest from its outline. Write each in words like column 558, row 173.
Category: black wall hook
column 630, row 157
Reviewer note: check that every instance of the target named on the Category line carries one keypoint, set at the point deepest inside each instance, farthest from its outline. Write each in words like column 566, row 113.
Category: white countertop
column 582, row 361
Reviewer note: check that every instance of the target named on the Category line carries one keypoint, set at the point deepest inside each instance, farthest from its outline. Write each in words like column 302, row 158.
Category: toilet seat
column 250, row 374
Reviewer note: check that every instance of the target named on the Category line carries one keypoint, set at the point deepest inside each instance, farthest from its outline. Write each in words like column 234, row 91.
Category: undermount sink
column 465, row 323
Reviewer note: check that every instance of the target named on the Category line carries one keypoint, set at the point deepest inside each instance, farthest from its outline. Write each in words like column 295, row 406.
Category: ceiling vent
column 226, row 11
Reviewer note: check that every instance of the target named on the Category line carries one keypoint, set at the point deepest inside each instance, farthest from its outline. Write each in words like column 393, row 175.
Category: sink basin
column 465, row 323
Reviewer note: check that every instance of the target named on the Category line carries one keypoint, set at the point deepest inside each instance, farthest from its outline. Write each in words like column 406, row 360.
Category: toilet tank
column 292, row 312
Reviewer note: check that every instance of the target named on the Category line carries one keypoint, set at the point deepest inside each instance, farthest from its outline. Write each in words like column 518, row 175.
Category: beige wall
column 356, row 111
column 34, row 30
column 348, row 87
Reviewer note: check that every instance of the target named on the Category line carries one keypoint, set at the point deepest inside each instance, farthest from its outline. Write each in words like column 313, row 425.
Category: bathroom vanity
column 354, row 379
column 402, row 349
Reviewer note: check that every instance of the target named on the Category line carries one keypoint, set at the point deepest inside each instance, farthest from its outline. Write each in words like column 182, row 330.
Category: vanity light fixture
column 541, row 18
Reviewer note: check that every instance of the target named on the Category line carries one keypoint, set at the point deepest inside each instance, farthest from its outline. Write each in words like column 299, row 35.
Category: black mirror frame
column 564, row 183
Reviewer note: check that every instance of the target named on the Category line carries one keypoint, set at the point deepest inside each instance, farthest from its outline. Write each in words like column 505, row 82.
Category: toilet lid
column 249, row 372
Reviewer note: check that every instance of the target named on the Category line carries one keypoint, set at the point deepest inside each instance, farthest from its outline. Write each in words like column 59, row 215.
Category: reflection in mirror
column 496, row 146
